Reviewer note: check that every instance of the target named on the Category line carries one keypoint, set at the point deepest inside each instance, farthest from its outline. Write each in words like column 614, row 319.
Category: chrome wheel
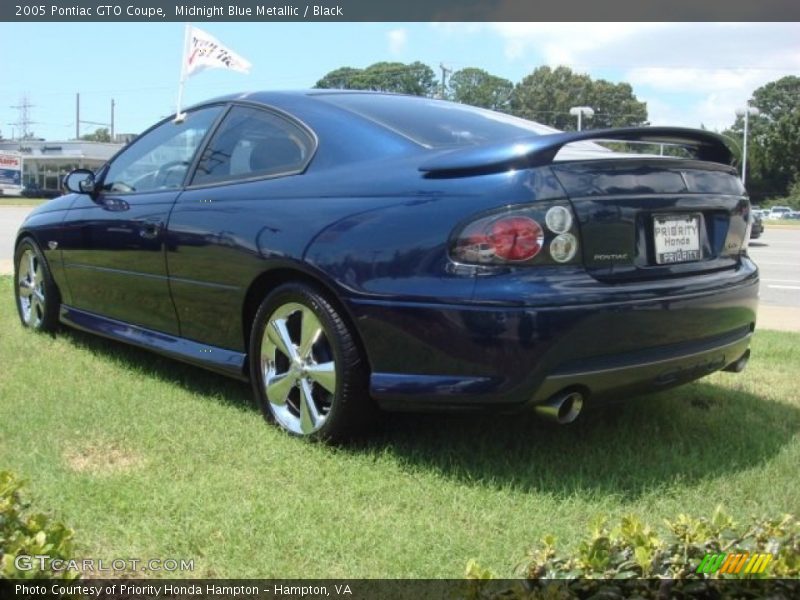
column 298, row 367
column 31, row 286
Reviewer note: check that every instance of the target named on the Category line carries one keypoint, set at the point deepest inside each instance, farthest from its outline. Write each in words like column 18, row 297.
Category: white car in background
column 779, row 212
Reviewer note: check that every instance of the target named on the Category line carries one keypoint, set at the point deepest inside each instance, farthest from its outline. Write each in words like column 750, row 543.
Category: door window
column 253, row 143
column 159, row 159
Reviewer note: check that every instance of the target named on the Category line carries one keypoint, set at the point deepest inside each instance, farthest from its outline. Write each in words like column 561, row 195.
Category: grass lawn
column 147, row 458
column 782, row 224
column 18, row 201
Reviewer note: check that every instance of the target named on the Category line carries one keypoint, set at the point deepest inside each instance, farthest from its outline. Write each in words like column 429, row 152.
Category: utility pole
column 746, row 112
column 445, row 71
column 112, row 120
column 24, row 122
column 77, row 116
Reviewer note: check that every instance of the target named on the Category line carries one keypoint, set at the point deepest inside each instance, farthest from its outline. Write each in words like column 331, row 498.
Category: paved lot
column 777, row 253
column 11, row 218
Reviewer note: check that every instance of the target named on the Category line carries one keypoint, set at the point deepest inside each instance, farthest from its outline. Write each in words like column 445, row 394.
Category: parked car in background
column 778, row 212
column 34, row 191
column 351, row 250
column 757, row 227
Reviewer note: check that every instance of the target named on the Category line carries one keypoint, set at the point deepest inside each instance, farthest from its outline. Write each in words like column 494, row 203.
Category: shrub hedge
column 635, row 559
column 23, row 532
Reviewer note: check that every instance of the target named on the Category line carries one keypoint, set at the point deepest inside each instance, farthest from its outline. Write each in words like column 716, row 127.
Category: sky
column 688, row 73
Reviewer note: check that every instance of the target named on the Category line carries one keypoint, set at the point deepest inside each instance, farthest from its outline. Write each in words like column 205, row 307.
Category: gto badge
column 52, row 245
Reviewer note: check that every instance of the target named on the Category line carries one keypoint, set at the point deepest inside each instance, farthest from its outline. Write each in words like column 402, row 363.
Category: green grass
column 782, row 224
column 15, row 201
column 147, row 458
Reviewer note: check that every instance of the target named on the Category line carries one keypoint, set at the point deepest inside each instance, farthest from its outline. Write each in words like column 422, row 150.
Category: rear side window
column 253, row 143
column 434, row 123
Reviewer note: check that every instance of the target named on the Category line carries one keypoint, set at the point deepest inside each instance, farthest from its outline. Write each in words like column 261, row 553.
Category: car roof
column 304, row 105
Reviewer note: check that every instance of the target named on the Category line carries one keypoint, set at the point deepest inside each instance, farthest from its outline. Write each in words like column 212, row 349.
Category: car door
column 113, row 244
column 241, row 187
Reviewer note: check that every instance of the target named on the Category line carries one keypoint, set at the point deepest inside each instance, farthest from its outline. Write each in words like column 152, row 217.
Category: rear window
column 434, row 123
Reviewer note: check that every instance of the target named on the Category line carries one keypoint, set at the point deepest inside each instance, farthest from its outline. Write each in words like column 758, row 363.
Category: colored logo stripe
column 733, row 563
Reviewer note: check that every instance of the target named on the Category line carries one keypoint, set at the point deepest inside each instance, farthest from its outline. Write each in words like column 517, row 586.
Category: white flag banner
column 204, row 51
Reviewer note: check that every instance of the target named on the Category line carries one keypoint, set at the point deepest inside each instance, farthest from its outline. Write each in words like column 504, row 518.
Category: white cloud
column 565, row 43
column 689, row 73
column 397, row 39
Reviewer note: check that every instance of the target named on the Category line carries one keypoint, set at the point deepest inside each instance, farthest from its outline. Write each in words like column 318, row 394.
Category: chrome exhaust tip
column 563, row 408
column 739, row 364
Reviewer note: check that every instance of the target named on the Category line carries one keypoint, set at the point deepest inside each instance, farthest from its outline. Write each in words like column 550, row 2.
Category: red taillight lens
column 491, row 240
column 516, row 238
column 544, row 233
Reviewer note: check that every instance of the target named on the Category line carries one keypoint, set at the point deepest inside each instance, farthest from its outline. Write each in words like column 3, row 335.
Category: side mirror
column 80, row 181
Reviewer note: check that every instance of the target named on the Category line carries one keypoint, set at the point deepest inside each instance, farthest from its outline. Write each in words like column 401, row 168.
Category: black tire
column 37, row 297
column 341, row 414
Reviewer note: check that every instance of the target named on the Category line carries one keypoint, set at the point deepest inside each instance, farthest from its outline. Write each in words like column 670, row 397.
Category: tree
column 793, row 196
column 416, row 78
column 476, row 87
column 615, row 105
column 100, row 135
column 340, row 79
column 546, row 95
column 773, row 146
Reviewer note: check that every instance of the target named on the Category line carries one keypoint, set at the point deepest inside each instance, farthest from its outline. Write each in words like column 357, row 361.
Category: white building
column 44, row 164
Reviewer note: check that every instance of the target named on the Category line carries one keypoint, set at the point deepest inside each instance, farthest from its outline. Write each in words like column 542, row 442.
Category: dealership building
column 44, row 164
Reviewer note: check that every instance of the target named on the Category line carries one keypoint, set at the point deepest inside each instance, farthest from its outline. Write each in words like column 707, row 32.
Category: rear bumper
column 476, row 356
column 615, row 377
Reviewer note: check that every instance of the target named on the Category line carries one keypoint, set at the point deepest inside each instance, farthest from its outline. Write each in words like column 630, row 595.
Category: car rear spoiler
column 541, row 150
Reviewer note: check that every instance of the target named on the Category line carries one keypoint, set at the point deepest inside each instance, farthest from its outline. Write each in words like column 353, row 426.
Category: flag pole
column 179, row 116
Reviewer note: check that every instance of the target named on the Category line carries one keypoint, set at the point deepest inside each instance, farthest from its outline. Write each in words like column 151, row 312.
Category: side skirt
column 220, row 360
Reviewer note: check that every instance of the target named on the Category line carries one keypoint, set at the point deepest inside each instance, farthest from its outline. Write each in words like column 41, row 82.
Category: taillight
column 517, row 236
column 499, row 239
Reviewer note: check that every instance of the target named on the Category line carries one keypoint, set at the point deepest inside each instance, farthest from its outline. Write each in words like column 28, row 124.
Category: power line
column 24, row 122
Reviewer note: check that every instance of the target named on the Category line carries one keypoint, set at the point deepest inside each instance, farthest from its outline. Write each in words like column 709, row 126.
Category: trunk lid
column 651, row 218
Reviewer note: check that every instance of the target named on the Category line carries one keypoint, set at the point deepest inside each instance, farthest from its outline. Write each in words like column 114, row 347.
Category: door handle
column 150, row 230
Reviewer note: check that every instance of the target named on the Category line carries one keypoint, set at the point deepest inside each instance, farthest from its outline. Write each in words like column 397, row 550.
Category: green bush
column 23, row 532
column 642, row 561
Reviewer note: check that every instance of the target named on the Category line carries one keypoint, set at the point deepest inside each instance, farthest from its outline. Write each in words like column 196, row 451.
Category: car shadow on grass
column 691, row 433
column 225, row 390
column 688, row 434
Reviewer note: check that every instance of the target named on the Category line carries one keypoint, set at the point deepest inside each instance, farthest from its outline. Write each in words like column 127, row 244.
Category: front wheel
column 35, row 291
column 307, row 371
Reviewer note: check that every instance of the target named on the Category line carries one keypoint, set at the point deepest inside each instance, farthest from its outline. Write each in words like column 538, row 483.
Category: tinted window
column 159, row 159
column 435, row 123
column 253, row 143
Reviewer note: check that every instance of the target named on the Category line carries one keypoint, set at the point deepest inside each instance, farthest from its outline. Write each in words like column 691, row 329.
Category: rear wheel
column 35, row 291
column 308, row 373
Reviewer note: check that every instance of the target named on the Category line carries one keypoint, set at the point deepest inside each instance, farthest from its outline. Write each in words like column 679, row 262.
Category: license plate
column 677, row 238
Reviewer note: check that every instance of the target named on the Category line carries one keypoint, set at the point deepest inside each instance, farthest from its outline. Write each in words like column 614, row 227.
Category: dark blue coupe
column 347, row 251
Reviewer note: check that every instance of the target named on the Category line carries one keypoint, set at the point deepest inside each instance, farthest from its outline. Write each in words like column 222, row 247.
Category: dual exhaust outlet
column 563, row 407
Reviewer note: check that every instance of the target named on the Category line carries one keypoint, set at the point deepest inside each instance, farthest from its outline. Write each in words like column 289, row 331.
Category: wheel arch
column 271, row 279
column 32, row 234
column 25, row 233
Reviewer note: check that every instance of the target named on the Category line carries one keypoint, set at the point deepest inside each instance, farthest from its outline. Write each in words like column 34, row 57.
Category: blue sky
column 688, row 73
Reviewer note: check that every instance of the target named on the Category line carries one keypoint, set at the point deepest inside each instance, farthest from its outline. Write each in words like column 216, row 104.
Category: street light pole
column 579, row 111
column 746, row 112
